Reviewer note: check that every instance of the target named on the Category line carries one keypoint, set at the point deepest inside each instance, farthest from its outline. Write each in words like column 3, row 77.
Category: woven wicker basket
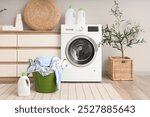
column 41, row 14
column 120, row 68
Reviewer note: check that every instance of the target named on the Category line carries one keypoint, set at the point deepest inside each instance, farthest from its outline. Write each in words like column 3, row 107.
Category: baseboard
column 142, row 72
column 135, row 73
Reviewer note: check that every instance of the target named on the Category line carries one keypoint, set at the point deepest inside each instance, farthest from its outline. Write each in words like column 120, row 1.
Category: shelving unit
column 17, row 47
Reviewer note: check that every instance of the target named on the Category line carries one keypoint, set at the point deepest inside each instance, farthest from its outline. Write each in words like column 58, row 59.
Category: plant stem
column 122, row 51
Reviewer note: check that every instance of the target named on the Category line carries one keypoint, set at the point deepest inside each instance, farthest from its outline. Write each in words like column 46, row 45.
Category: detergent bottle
column 23, row 85
column 70, row 16
column 81, row 17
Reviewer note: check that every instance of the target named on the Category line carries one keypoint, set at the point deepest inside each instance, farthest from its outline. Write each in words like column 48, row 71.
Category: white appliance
column 80, row 47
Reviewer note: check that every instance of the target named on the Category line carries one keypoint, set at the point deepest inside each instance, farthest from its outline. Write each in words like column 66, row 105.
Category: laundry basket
column 45, row 84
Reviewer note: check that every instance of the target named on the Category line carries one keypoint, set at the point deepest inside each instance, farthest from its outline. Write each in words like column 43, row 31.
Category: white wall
column 98, row 12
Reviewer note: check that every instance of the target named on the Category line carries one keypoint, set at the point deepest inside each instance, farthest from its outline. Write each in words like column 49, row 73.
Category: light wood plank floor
column 68, row 91
column 139, row 89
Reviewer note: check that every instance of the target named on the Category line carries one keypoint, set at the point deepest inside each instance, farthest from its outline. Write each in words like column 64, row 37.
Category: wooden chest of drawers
column 17, row 47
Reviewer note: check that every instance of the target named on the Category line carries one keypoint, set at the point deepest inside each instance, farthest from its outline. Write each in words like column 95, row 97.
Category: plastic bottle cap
column 70, row 6
column 24, row 74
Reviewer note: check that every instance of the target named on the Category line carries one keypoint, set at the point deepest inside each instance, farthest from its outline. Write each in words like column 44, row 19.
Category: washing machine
column 81, row 49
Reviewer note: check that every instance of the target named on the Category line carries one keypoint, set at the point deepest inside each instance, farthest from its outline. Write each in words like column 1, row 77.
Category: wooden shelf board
column 29, row 31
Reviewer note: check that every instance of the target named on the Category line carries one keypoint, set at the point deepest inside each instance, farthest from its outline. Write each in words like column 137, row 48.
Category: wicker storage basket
column 41, row 14
column 120, row 68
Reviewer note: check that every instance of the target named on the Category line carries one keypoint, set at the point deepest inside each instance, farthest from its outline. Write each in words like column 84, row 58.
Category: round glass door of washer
column 81, row 51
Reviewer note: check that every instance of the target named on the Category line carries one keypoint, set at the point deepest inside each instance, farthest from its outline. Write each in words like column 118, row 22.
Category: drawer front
column 8, row 40
column 22, row 68
column 7, row 70
column 25, row 55
column 8, row 55
column 50, row 40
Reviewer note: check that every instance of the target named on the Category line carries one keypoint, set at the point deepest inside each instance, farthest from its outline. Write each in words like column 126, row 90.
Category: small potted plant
column 0, row 12
column 3, row 10
column 122, row 34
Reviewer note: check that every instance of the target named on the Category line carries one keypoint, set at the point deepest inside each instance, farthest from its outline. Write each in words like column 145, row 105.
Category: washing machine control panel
column 89, row 28
column 93, row 28
column 81, row 29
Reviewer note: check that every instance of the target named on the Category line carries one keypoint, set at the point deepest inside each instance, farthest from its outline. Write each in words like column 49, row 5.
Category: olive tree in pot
column 122, row 34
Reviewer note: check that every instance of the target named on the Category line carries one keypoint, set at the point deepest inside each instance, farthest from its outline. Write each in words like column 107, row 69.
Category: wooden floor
column 139, row 89
column 68, row 91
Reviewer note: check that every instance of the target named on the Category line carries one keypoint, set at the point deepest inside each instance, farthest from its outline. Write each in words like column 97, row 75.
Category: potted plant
column 122, row 34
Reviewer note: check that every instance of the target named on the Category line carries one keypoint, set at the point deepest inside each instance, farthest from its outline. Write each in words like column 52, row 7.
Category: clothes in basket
column 45, row 65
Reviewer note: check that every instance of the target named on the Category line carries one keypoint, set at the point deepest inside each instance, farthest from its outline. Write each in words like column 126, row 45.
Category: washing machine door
column 81, row 50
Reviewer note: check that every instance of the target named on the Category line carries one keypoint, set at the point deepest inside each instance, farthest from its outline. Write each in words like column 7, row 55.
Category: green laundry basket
column 44, row 84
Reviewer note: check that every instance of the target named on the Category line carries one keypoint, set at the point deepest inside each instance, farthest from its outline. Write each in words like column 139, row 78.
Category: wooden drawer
column 25, row 55
column 39, row 40
column 7, row 70
column 8, row 40
column 8, row 55
column 22, row 68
